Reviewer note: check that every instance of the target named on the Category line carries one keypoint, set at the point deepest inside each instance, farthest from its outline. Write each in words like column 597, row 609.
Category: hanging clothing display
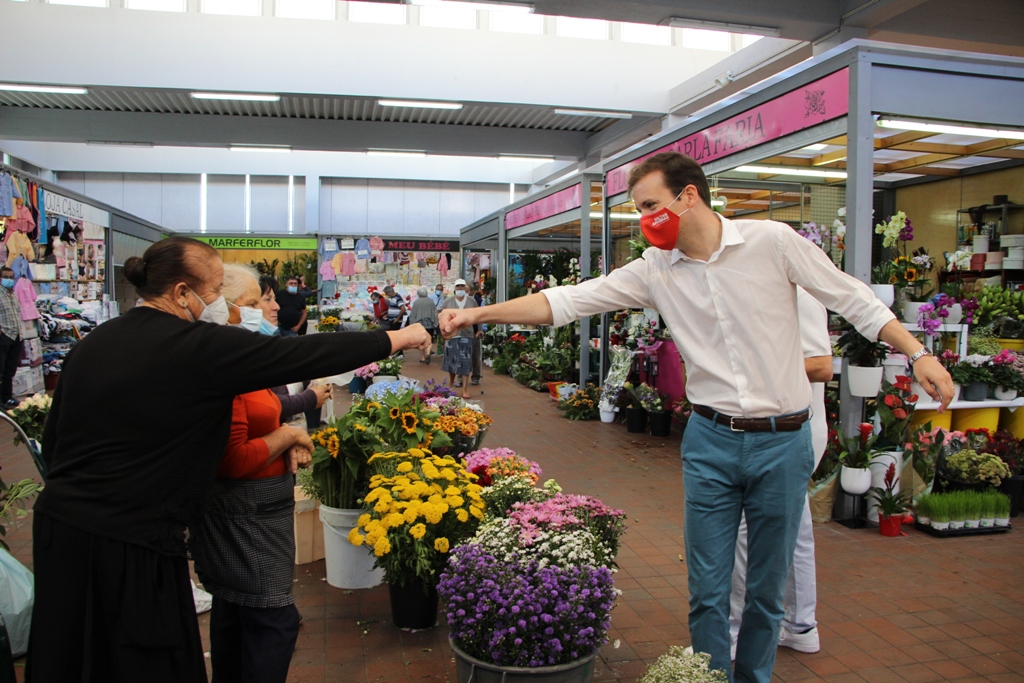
column 376, row 246
column 444, row 263
column 8, row 193
column 363, row 249
column 326, row 271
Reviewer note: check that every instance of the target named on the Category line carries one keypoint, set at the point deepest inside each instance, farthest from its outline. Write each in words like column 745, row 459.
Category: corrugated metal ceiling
column 307, row 107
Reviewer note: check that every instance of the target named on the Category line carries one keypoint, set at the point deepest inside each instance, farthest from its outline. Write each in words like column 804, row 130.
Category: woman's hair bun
column 135, row 271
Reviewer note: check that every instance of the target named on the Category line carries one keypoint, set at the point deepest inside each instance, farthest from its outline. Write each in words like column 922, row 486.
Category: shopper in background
column 140, row 421
column 438, row 297
column 727, row 290
column 292, row 316
column 380, row 309
column 10, row 336
column 244, row 547
column 396, row 307
column 458, row 350
column 425, row 313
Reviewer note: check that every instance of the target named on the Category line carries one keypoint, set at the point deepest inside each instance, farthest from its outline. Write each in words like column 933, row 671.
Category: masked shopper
column 140, row 420
column 424, row 312
column 458, row 350
column 244, row 547
column 727, row 290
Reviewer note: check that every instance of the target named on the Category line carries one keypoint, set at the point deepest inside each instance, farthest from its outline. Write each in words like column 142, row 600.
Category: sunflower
column 409, row 422
column 394, row 413
column 911, row 274
column 333, row 445
column 372, row 405
column 359, row 427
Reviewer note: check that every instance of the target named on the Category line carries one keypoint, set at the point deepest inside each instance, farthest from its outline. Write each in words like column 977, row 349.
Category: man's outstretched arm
column 526, row 310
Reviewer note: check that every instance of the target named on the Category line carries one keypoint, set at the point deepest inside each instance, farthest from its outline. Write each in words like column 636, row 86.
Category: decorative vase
column 975, row 391
column 1014, row 488
column 889, row 526
column 348, row 566
column 472, row 670
column 357, row 385
column 940, row 526
column 1003, row 394
column 636, row 420
column 864, row 382
column 380, row 379
column 413, row 605
column 885, row 293
column 956, row 314
column 855, row 480
column 661, row 423
column 910, row 311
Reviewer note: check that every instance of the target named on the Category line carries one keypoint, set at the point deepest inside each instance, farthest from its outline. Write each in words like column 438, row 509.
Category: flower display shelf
column 932, row 405
column 951, row 533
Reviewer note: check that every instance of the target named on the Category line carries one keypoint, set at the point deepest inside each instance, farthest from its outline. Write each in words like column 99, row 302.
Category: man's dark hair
column 678, row 170
column 290, row 278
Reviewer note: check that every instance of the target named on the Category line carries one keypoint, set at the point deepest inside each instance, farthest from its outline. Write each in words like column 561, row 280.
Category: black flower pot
column 636, row 420
column 1014, row 488
column 661, row 423
column 357, row 385
column 975, row 391
column 413, row 605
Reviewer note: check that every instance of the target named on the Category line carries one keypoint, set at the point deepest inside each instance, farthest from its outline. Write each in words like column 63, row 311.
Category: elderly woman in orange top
column 244, row 549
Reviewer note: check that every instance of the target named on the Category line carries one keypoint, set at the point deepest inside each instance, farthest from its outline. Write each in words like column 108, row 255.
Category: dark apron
column 244, row 548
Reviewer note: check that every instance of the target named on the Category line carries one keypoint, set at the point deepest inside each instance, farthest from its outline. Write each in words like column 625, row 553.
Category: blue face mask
column 268, row 328
column 7, row 282
column 292, row 289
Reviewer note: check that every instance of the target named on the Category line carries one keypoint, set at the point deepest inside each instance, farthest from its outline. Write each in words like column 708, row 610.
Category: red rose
column 899, row 413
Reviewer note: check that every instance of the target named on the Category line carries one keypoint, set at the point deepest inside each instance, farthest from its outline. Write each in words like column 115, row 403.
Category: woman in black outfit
column 139, row 422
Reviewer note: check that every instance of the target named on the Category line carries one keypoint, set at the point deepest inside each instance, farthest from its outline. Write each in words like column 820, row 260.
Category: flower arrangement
column 895, row 405
column 571, row 512
column 392, row 365
column 328, row 323
column 924, row 446
column 1006, row 371
column 30, row 415
column 644, row 396
column 367, row 372
column 897, row 228
column 970, row 467
column 494, row 464
column 682, row 408
column 890, row 502
column 680, row 666
column 582, row 404
column 972, row 368
column 465, row 426
column 419, row 507
column 949, row 359
column 931, row 316
column 1006, row 446
column 858, row 450
column 502, row 495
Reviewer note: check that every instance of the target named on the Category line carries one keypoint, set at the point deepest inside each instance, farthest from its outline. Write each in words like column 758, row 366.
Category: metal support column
column 584, row 262
column 606, row 255
column 860, row 170
column 501, row 263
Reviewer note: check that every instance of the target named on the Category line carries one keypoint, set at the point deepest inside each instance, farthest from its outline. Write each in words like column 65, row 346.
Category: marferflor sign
column 823, row 100
column 293, row 243
column 564, row 200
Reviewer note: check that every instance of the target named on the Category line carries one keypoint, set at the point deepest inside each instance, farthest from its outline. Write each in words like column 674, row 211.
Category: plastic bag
column 17, row 592
column 203, row 600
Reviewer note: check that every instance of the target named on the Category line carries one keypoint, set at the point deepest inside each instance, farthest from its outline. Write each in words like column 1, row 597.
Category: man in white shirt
column 727, row 291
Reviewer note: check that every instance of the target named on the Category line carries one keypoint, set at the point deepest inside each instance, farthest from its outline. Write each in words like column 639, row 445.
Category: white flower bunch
column 559, row 548
column 41, row 401
column 976, row 360
column 959, row 259
column 679, row 666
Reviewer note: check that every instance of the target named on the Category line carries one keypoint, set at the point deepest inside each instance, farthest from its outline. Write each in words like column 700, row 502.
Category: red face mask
column 661, row 228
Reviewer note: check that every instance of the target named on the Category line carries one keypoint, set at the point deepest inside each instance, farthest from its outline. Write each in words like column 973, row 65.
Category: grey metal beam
column 60, row 125
column 584, row 263
column 502, row 261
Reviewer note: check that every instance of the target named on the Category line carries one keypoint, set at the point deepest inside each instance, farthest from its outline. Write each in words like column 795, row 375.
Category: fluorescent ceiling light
column 791, row 170
column 594, row 114
column 280, row 149
column 522, row 157
column 950, row 129
column 237, row 96
column 518, row 7
column 394, row 153
column 56, row 89
column 815, row 148
column 680, row 22
column 416, row 104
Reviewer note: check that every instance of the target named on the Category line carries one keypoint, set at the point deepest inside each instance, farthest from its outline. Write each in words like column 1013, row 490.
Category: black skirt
column 110, row 611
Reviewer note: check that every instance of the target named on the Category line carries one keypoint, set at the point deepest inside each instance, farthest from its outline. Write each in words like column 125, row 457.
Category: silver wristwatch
column 920, row 354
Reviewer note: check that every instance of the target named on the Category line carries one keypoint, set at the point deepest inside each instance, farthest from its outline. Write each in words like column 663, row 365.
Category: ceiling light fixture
column 395, row 153
column 594, row 114
column 680, row 22
column 235, row 96
column 54, row 89
column 416, row 104
column 279, row 149
column 791, row 170
column 516, row 7
column 951, row 129
column 524, row 157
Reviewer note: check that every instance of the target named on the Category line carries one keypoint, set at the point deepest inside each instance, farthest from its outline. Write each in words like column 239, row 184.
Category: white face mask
column 460, row 293
column 216, row 313
column 252, row 318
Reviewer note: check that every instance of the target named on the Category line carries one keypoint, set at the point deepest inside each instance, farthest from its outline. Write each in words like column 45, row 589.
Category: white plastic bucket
column 348, row 566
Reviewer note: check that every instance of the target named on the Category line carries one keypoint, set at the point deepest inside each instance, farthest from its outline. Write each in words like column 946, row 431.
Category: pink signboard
column 564, row 200
column 817, row 102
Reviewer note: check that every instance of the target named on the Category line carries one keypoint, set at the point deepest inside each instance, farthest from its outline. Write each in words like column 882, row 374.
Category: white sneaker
column 801, row 642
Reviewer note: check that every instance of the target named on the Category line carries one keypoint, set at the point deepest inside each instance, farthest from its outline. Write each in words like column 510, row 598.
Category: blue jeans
column 726, row 473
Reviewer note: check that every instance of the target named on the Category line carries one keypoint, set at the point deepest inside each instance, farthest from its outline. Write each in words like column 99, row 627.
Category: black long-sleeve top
column 294, row 404
column 142, row 411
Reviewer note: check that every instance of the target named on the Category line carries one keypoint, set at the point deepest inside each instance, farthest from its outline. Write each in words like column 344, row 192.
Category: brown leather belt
column 783, row 423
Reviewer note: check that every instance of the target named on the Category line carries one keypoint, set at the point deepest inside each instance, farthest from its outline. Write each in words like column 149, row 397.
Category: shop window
column 448, row 15
column 156, row 5
column 571, row 27
column 239, row 8
column 376, row 13
column 81, row 3
column 305, row 9
column 647, row 34
column 511, row 22
column 699, row 39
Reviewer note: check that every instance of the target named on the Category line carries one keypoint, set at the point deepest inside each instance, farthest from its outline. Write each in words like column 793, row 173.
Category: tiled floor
column 912, row 609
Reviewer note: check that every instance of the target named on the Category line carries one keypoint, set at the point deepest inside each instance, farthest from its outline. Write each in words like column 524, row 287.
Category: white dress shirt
column 734, row 316
column 815, row 343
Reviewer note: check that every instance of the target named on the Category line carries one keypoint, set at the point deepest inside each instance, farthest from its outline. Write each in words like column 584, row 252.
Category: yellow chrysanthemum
column 394, row 519
column 448, row 474
column 432, row 514
column 363, row 520
column 413, row 476
column 476, row 512
column 442, row 507
column 416, row 452
column 474, row 488
column 452, row 491
column 372, row 526
column 404, row 467
column 435, row 499
column 382, row 506
column 462, row 515
column 374, row 495
column 430, row 470
column 402, row 481
column 373, row 537
column 441, row 544
column 410, row 515
column 455, row 501
column 382, row 547
column 355, row 538
column 417, row 531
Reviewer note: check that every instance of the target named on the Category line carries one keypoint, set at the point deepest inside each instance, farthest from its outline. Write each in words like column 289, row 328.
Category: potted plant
column 938, row 508
column 362, row 377
column 970, row 470
column 858, row 450
column 682, row 666
column 611, row 395
column 636, row 414
column 882, row 283
column 1010, row 451
column 410, row 527
column 949, row 360
column 924, row 509
column 581, row 404
column 988, row 510
column 1007, row 380
column 388, row 370
column 1001, row 511
column 463, row 424
column 328, row 323
column 895, row 407
column 957, row 510
column 892, row 503
column 864, row 363
column 660, row 417
column 972, row 509
column 973, row 376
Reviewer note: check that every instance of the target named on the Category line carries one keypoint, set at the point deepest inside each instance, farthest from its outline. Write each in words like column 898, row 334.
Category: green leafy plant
column 938, row 507
column 1001, row 506
column 859, row 351
column 890, row 502
column 924, row 506
column 858, row 450
column 980, row 342
column 264, row 267
column 971, row 369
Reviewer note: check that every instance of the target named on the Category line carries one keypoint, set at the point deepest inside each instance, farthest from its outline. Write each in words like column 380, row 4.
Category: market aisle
column 912, row 609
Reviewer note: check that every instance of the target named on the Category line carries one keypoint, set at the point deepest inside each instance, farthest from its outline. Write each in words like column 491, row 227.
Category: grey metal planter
column 975, row 391
column 471, row 670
